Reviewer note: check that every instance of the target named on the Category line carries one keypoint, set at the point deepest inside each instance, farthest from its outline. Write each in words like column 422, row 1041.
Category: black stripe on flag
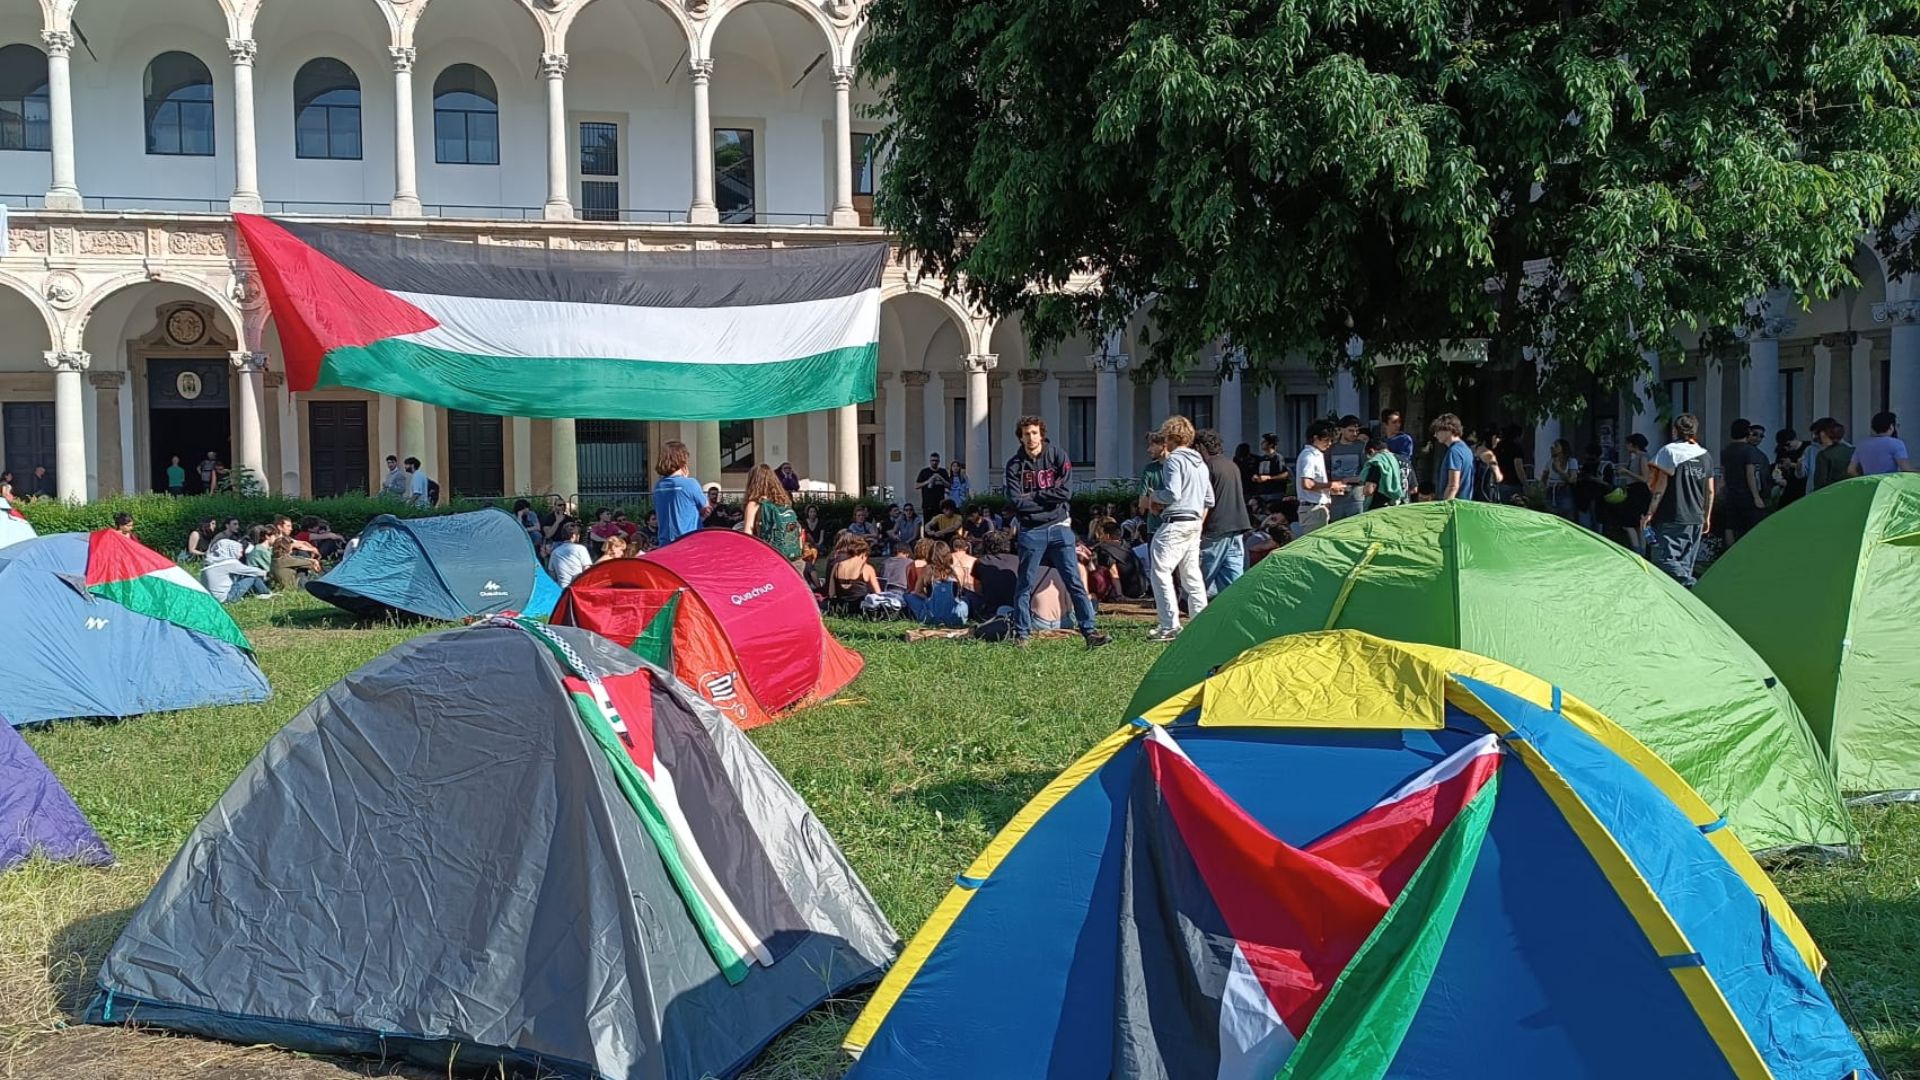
column 690, row 279
column 720, row 826
column 1175, row 950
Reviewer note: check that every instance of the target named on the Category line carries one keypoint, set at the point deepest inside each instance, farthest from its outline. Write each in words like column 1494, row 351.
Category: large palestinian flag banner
column 141, row 579
column 1245, row 958
column 696, row 335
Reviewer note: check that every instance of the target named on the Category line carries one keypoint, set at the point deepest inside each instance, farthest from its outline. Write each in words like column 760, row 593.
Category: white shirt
column 567, row 562
column 1311, row 466
column 1807, row 454
column 417, row 488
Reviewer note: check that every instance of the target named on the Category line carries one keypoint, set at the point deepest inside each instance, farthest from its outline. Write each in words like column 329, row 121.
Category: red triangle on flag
column 112, row 556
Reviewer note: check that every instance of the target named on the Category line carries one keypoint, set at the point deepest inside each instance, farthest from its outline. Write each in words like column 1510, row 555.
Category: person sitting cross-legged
column 228, row 577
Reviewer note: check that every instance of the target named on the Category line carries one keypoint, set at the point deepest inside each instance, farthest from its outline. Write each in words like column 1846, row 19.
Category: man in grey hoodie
column 1182, row 501
column 229, row 578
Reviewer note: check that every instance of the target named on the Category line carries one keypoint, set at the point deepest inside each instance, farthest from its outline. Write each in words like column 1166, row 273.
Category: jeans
column 1176, row 555
column 944, row 608
column 1222, row 560
column 1049, row 545
column 246, row 586
column 1674, row 549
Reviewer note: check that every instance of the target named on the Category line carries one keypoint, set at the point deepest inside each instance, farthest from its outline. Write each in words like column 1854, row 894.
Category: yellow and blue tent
column 1340, row 856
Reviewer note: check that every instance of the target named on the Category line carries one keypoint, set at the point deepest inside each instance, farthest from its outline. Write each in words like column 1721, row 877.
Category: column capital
column 1899, row 312
column 979, row 362
column 553, row 65
column 248, row 363
column 1033, row 376
column 402, row 56
column 914, row 378
column 1775, row 327
column 242, row 50
column 74, row 360
column 701, row 70
column 1233, row 362
column 58, row 42
column 1839, row 340
column 843, row 76
column 107, row 380
column 1108, row 363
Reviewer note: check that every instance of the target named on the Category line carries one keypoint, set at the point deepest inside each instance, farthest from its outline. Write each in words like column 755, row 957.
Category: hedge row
column 162, row 522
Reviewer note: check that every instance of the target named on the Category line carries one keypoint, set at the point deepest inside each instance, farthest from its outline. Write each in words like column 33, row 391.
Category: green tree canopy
column 1590, row 178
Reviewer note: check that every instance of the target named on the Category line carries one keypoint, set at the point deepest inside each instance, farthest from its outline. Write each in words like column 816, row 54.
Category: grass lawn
column 913, row 770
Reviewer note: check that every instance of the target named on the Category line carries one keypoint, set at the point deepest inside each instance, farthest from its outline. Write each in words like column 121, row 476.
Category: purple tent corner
column 37, row 814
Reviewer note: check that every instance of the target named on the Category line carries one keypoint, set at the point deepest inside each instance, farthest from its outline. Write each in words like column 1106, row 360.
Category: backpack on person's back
column 779, row 526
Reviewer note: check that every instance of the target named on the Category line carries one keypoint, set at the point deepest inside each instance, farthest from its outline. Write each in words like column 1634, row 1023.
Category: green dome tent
column 1545, row 596
column 1825, row 592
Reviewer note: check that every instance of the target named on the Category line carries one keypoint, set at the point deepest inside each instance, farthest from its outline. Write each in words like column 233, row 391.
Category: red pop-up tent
column 723, row 612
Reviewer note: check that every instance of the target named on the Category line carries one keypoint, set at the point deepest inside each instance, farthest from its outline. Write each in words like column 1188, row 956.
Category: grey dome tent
column 505, row 843
column 452, row 567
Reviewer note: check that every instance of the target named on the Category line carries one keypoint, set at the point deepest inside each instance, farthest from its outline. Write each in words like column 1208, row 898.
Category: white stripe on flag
column 740, row 935
column 1159, row 737
column 756, row 334
column 173, row 575
column 1254, row 1043
column 1446, row 769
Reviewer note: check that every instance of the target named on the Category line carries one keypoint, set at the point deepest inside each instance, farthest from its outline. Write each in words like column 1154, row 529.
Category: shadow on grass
column 990, row 800
column 75, row 954
column 1873, row 948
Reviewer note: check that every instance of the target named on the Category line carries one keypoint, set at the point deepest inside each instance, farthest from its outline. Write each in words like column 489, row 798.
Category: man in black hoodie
column 1039, row 492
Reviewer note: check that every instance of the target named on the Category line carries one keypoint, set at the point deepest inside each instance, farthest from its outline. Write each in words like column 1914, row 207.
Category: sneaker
column 1158, row 635
column 1022, row 643
column 1097, row 639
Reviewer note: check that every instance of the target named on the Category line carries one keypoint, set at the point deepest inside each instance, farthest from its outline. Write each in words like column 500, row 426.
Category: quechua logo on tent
column 754, row 593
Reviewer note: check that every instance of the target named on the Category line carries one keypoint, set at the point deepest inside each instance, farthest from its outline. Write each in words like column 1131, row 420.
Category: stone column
column 69, row 424
column 406, row 187
column 843, row 211
column 246, row 167
column 128, row 459
column 893, row 438
column 1106, row 411
column 819, row 463
column 933, row 403
column 1861, row 368
column 411, row 419
column 1545, row 432
column 976, row 446
column 248, row 452
column 1760, row 380
column 1903, row 372
column 63, row 193
column 1267, row 410
column 109, row 478
column 1822, row 376
column 1713, row 384
column 706, row 451
column 703, row 211
column 846, row 449
column 1230, row 423
column 289, row 409
column 553, row 69
column 1011, row 409
column 564, row 466
column 1646, row 420
column 1346, row 393
column 1050, row 407
column 520, row 478
column 771, row 446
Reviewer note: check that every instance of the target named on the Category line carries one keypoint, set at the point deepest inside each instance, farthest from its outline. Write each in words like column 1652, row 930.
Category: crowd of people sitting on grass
column 237, row 561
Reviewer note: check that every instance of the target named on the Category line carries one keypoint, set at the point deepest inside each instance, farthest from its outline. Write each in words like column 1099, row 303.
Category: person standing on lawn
column 1316, row 491
column 769, row 517
column 1183, row 499
column 962, row 488
column 932, row 484
column 1223, row 536
column 1039, row 492
column 1682, row 510
column 1884, row 452
column 677, row 497
column 1453, row 478
column 1747, row 471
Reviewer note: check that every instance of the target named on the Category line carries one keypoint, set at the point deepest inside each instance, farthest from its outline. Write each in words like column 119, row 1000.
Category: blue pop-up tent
column 454, row 567
column 74, row 651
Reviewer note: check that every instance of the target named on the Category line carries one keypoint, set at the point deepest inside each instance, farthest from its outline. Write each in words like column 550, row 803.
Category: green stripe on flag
column 614, row 389
column 191, row 608
column 1359, row 1028
column 640, row 796
column 655, row 643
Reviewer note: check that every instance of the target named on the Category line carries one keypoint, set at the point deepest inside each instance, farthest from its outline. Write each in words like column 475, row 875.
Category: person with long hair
column 850, row 575
column 1561, row 473
column 200, row 539
column 935, row 599
column 769, row 517
column 615, row 547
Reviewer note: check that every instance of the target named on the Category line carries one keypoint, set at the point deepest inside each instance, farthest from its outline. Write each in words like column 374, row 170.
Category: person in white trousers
column 1183, row 501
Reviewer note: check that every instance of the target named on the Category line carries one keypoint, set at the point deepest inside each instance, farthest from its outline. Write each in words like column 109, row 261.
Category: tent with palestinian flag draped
column 97, row 624
column 1344, row 858
column 513, row 331
column 534, row 851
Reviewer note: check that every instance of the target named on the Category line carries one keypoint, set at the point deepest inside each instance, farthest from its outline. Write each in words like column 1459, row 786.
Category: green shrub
column 162, row 522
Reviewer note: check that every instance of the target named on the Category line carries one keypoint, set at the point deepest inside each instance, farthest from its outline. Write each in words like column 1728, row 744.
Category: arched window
column 23, row 99
column 179, row 106
column 326, row 111
column 466, row 117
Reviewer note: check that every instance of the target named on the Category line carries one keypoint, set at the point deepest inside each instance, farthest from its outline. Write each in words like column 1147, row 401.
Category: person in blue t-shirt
column 677, row 498
column 1453, row 477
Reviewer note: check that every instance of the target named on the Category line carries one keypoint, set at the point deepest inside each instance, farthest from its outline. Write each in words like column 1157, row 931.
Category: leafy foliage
column 1584, row 179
